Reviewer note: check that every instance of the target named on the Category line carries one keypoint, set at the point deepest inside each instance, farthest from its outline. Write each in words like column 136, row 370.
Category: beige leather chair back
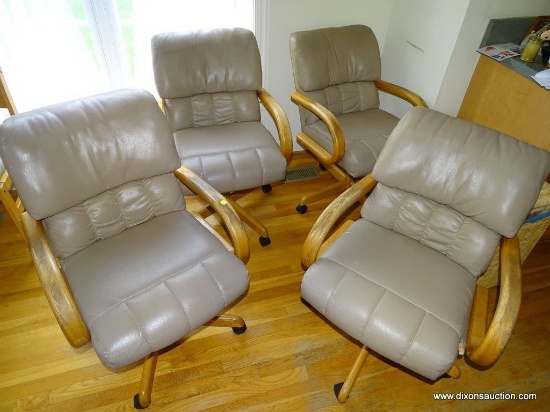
column 336, row 67
column 79, row 136
column 208, row 77
column 454, row 185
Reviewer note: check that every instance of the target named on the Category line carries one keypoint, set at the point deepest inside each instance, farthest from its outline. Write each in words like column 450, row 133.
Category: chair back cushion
column 208, row 77
column 336, row 67
column 461, row 239
column 454, row 185
column 118, row 143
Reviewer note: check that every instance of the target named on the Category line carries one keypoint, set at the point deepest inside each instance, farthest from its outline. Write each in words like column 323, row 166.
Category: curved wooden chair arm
column 332, row 124
column 330, row 216
column 281, row 122
column 53, row 282
column 220, row 204
column 509, row 301
column 400, row 92
column 14, row 207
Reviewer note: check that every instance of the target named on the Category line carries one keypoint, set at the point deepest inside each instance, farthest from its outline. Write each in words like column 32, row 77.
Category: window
column 56, row 50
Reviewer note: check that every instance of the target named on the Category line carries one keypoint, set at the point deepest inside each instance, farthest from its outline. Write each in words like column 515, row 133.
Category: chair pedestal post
column 143, row 399
column 454, row 372
column 343, row 389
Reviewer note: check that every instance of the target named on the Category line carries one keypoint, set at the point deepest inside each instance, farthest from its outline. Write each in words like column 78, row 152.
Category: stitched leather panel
column 205, row 61
column 334, row 55
column 96, row 138
column 343, row 98
column 112, row 212
column 379, row 296
column 212, row 109
column 365, row 133
column 439, row 227
column 227, row 167
column 136, row 299
column 493, row 178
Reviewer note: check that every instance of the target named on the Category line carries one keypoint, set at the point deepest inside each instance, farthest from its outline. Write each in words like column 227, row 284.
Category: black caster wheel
column 301, row 209
column 266, row 188
column 322, row 167
column 137, row 405
column 264, row 241
column 338, row 388
column 239, row 330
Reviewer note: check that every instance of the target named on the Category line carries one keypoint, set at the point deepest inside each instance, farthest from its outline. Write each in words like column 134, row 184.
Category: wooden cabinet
column 504, row 100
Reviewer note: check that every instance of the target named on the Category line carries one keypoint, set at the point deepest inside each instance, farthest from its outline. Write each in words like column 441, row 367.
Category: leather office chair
column 401, row 279
column 13, row 204
column 122, row 262
column 210, row 82
column 337, row 78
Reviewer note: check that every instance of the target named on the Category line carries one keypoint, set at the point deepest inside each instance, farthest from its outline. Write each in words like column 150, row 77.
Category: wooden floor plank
column 289, row 358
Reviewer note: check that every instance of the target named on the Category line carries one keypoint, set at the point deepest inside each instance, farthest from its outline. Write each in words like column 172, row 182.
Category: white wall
column 446, row 33
column 462, row 63
column 287, row 16
column 418, row 47
column 427, row 46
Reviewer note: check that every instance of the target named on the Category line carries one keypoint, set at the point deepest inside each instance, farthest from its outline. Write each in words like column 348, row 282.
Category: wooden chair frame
column 484, row 344
column 285, row 143
column 62, row 303
column 14, row 207
column 330, row 161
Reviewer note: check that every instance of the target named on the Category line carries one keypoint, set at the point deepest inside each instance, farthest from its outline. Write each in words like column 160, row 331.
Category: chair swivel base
column 149, row 366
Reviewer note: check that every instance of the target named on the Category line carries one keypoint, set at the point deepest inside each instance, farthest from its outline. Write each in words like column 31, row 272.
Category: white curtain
column 56, row 50
column 44, row 55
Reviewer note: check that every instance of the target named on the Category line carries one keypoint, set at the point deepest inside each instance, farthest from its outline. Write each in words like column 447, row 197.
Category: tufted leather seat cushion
column 413, row 306
column 365, row 133
column 251, row 159
column 137, row 299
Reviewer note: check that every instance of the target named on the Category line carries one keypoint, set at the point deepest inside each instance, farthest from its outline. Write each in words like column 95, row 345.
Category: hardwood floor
column 289, row 358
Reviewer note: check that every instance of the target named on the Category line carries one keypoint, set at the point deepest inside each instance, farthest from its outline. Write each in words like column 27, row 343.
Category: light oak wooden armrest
column 54, row 284
column 330, row 216
column 5, row 96
column 332, row 124
column 281, row 122
column 400, row 92
column 220, row 204
column 14, row 207
column 509, row 301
